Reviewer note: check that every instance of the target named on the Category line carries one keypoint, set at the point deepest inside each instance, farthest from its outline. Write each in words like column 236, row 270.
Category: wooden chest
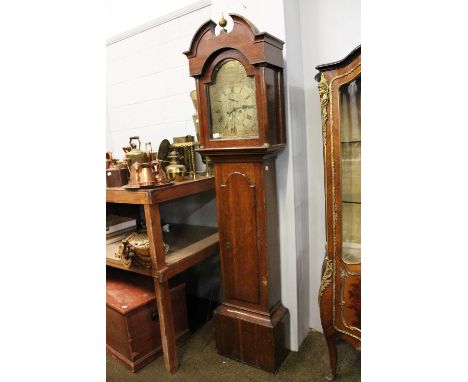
column 132, row 323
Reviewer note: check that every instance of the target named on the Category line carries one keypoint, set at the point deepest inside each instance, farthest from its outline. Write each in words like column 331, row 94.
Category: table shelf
column 188, row 245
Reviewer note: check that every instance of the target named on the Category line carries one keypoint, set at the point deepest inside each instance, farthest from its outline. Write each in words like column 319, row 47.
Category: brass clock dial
column 233, row 103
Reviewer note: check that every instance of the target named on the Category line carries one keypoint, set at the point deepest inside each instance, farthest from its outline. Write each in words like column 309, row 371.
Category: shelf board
column 188, row 245
column 134, row 268
column 162, row 194
column 179, row 261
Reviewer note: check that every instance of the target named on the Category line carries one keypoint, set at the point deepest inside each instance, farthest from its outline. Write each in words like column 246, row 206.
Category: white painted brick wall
column 148, row 94
column 148, row 84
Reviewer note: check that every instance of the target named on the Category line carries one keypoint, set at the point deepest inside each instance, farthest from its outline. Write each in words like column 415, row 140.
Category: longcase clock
column 340, row 288
column 239, row 83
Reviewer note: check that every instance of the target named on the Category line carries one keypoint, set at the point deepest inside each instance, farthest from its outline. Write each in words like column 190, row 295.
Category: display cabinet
column 340, row 288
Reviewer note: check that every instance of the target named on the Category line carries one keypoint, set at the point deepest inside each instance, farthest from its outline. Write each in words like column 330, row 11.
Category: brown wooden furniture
column 132, row 320
column 180, row 258
column 239, row 82
column 340, row 288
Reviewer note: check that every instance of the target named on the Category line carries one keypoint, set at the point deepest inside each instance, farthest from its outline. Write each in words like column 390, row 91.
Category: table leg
column 166, row 318
column 166, row 322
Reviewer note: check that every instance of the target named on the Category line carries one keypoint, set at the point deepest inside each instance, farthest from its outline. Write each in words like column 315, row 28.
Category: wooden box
column 116, row 177
column 132, row 323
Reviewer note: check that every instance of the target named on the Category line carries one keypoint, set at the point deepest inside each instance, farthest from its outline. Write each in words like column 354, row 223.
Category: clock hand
column 240, row 107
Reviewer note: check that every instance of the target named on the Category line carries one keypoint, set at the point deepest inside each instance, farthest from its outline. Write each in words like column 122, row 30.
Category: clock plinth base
column 252, row 338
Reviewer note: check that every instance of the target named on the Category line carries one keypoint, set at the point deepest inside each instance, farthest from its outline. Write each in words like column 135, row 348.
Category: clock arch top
column 258, row 48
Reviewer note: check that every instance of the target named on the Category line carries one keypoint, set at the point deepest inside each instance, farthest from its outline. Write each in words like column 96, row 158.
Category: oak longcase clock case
column 340, row 288
column 239, row 83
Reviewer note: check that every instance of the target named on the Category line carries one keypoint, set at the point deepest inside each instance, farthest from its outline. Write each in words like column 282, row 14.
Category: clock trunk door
column 239, row 237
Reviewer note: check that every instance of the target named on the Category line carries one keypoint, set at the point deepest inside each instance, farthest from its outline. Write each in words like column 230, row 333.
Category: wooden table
column 180, row 258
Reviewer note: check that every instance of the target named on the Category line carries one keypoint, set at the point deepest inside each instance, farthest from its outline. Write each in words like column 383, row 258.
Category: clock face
column 233, row 104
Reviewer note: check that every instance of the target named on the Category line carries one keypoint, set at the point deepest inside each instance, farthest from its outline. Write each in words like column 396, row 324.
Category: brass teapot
column 175, row 171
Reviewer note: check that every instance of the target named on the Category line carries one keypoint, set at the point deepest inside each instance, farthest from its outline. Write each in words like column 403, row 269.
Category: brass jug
column 146, row 173
column 175, row 171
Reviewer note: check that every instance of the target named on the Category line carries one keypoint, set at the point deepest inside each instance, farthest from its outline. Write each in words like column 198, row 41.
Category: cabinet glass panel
column 350, row 133
column 233, row 104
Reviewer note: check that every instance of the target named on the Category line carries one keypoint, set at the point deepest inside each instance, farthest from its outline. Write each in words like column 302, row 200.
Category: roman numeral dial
column 233, row 105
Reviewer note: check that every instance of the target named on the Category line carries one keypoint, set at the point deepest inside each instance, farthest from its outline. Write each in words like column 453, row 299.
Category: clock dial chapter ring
column 233, row 103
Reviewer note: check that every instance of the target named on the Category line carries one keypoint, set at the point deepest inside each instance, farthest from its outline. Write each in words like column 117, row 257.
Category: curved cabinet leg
column 331, row 343
column 326, row 312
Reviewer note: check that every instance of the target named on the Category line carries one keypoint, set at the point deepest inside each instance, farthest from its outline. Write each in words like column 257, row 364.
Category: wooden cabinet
column 189, row 246
column 239, row 79
column 340, row 288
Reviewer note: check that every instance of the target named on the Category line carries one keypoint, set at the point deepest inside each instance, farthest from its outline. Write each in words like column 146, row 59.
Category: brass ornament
column 326, row 276
column 345, row 274
column 124, row 256
column 222, row 21
column 136, row 247
column 188, row 152
column 324, row 97
column 175, row 171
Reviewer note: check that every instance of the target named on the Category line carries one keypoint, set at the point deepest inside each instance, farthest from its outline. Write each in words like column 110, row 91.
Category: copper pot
column 146, row 175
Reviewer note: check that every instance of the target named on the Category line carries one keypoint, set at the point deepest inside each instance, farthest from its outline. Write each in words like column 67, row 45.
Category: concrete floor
column 199, row 362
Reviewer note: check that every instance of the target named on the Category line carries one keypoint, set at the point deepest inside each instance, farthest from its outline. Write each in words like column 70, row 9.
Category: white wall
column 148, row 84
column 330, row 29
column 124, row 15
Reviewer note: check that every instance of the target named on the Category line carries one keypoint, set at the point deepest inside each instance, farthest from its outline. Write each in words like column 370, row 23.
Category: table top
column 160, row 194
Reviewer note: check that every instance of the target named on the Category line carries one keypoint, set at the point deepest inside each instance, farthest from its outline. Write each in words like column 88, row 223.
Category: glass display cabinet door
column 350, row 141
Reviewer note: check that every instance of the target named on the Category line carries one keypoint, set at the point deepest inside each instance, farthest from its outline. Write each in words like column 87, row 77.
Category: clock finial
column 222, row 21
